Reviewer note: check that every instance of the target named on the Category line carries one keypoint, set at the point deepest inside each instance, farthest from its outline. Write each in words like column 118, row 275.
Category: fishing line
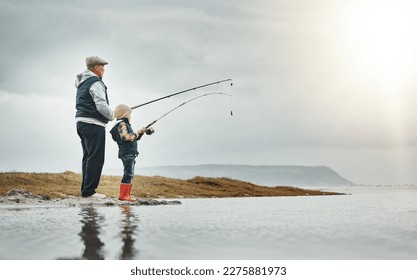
column 149, row 131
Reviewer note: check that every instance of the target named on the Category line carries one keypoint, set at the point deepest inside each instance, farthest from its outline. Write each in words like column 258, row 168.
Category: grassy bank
column 57, row 185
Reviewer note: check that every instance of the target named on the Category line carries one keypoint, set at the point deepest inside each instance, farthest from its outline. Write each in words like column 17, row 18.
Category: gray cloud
column 296, row 97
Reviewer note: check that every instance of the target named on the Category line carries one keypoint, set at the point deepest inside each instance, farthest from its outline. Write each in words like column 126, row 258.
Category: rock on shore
column 23, row 197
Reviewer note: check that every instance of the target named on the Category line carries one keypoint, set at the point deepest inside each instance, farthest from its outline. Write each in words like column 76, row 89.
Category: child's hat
column 122, row 111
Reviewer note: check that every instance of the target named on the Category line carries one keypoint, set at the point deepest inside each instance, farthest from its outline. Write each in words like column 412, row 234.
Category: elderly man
column 93, row 113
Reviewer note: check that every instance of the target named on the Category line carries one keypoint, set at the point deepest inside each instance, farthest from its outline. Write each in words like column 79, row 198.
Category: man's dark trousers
column 93, row 140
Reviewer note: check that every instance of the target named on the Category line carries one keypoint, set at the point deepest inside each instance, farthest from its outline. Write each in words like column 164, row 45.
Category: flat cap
column 95, row 60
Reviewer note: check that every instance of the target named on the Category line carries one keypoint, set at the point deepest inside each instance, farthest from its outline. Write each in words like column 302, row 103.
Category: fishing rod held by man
column 180, row 92
column 182, row 104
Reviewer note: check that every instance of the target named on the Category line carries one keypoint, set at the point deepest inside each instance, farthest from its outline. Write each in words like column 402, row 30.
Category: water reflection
column 129, row 226
column 91, row 230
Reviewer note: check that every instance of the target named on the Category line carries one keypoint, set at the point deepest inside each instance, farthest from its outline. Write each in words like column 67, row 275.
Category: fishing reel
column 149, row 131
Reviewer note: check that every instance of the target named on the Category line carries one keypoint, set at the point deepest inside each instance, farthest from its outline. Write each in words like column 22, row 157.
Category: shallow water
column 370, row 223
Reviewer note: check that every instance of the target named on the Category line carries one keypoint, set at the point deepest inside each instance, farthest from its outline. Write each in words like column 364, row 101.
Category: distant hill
column 267, row 175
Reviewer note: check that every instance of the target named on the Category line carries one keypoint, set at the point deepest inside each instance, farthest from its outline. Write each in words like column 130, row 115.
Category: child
column 126, row 138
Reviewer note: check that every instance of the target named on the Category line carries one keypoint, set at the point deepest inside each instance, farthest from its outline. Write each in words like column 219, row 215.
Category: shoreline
column 64, row 188
column 22, row 198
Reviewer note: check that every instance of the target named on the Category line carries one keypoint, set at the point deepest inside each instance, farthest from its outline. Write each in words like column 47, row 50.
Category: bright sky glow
column 326, row 82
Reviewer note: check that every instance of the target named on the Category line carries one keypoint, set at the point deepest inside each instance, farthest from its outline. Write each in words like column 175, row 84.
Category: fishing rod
column 150, row 130
column 180, row 92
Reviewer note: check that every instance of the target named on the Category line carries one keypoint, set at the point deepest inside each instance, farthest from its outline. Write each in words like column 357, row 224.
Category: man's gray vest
column 84, row 102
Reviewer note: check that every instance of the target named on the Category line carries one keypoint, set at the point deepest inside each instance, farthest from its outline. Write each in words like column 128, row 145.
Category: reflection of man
column 128, row 228
column 93, row 113
column 89, row 234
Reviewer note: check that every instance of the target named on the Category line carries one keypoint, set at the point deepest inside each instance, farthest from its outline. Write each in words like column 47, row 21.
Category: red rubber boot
column 128, row 193
column 124, row 192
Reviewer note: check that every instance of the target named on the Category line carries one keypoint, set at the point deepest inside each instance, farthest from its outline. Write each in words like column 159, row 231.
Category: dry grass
column 58, row 185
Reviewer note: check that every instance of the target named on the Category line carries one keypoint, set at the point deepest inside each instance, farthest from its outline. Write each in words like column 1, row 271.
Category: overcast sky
column 325, row 82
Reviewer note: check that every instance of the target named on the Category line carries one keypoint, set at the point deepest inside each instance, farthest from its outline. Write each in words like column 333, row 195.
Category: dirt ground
column 67, row 184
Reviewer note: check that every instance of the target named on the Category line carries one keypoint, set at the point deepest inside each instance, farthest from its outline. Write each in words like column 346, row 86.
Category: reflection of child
column 126, row 138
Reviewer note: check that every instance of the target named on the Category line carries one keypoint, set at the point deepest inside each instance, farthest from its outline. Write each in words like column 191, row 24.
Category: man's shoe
column 98, row 195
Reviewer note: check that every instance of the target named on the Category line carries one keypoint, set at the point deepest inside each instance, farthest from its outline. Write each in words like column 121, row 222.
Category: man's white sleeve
column 98, row 93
